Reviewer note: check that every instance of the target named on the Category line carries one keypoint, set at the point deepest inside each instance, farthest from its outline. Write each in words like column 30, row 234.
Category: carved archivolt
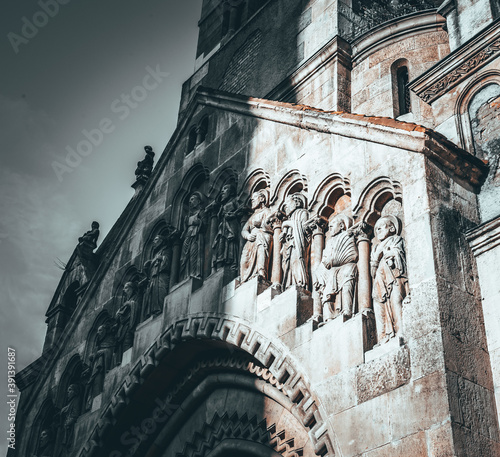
column 277, row 370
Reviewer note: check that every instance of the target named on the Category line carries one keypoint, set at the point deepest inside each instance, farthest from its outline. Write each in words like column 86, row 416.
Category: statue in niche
column 157, row 277
column 101, row 361
column 192, row 236
column 69, row 415
column 226, row 243
column 145, row 166
column 126, row 319
column 390, row 280
column 295, row 243
column 337, row 273
column 258, row 234
column 46, row 444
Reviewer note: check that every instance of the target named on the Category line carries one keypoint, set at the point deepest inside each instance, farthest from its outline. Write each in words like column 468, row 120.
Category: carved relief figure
column 226, row 242
column 336, row 274
column 126, row 319
column 145, row 166
column 46, row 443
column 295, row 243
column 259, row 235
column 101, row 362
column 192, row 236
column 69, row 415
column 390, row 281
column 158, row 276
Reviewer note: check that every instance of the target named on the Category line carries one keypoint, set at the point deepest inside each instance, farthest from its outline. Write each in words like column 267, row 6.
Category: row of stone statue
column 285, row 247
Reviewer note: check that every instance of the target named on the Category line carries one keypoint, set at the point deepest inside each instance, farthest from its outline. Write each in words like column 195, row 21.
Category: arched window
column 400, row 89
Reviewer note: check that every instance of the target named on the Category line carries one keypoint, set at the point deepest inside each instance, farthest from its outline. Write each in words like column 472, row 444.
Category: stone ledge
column 484, row 237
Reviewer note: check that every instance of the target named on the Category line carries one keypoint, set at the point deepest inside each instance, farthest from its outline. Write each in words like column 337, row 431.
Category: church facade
column 311, row 267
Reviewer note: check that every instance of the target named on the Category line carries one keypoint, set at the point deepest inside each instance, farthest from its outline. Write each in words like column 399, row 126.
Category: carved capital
column 361, row 232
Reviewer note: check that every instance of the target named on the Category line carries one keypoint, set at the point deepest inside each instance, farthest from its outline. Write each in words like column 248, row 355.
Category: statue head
column 95, row 225
column 228, row 190
column 294, row 202
column 195, row 201
column 260, row 198
column 386, row 226
column 339, row 223
column 101, row 331
column 130, row 289
column 158, row 240
column 45, row 437
column 73, row 391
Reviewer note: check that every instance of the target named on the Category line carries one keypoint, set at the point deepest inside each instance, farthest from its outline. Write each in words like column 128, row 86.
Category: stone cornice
column 395, row 30
column 386, row 131
column 459, row 64
column 484, row 237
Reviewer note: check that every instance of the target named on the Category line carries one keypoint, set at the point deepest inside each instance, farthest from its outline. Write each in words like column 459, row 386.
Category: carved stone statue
column 390, row 280
column 126, row 319
column 158, row 277
column 295, row 243
column 192, row 236
column 69, row 415
column 336, row 274
column 226, row 242
column 46, row 444
column 259, row 235
column 145, row 166
column 101, row 361
column 88, row 241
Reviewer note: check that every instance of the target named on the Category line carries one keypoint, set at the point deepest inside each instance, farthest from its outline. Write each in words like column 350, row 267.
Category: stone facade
column 297, row 275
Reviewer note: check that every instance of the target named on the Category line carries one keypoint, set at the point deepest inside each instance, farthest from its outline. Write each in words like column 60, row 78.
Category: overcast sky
column 63, row 75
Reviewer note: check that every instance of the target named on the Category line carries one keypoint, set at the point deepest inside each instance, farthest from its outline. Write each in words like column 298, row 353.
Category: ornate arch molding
column 227, row 175
column 464, row 127
column 278, row 374
column 328, row 192
column 374, row 197
column 293, row 181
column 256, row 180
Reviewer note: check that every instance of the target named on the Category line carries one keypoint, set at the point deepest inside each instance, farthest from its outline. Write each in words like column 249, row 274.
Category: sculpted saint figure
column 45, row 444
column 88, row 241
column 158, row 276
column 126, row 319
column 69, row 415
column 390, row 280
column 295, row 243
column 226, row 242
column 192, row 236
column 101, row 362
column 336, row 274
column 259, row 236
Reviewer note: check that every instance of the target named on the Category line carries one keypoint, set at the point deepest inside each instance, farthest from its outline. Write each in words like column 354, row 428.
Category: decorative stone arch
column 293, row 181
column 195, row 179
column 256, row 180
column 225, row 176
column 328, row 194
column 275, row 374
column 374, row 197
column 463, row 123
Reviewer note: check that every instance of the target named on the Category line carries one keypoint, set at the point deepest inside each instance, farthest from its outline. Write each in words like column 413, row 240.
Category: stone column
column 317, row 246
column 214, row 226
column 365, row 280
column 276, row 271
column 176, row 261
